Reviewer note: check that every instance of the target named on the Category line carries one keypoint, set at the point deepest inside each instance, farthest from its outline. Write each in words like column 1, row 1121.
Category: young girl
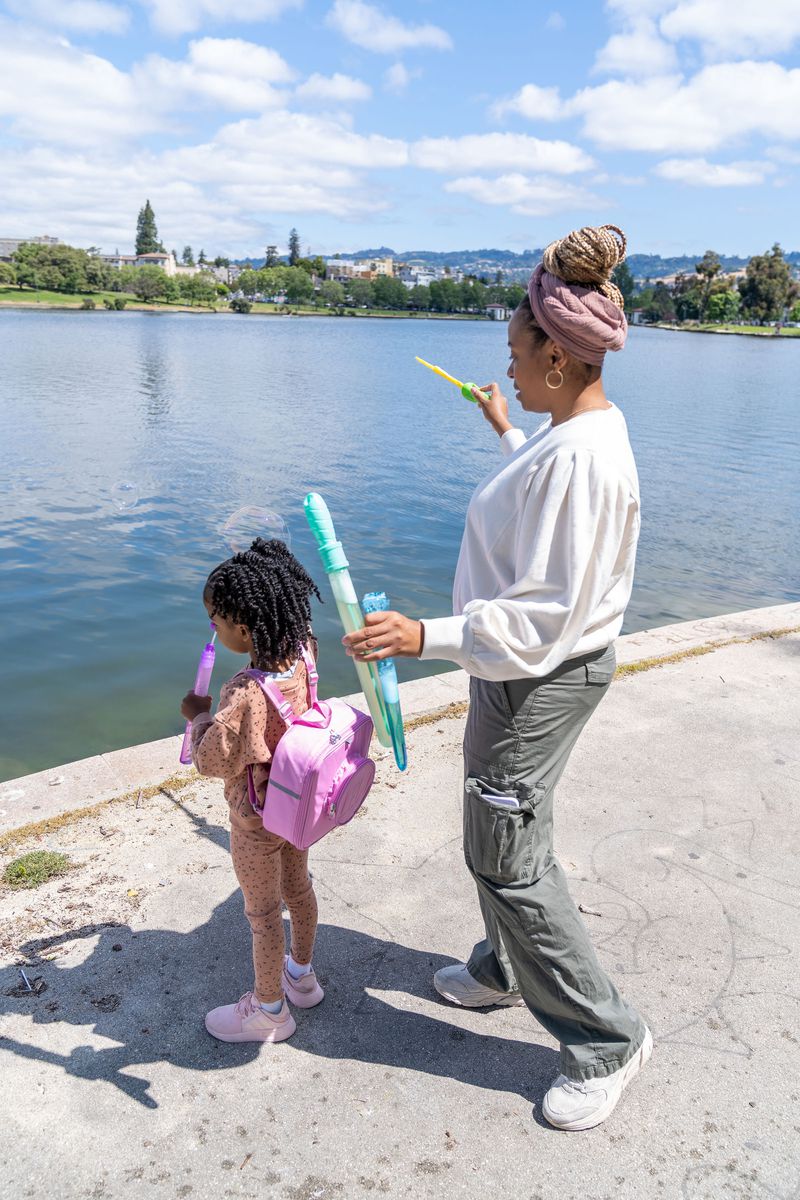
column 259, row 603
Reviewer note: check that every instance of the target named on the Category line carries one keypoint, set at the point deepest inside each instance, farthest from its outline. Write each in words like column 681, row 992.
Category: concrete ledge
column 87, row 782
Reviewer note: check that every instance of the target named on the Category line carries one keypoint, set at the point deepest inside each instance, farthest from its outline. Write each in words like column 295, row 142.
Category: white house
column 497, row 312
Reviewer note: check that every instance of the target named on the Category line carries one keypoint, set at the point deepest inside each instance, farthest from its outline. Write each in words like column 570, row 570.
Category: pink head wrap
column 578, row 318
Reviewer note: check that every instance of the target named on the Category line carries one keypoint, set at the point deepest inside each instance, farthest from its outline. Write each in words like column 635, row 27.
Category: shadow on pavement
column 150, row 989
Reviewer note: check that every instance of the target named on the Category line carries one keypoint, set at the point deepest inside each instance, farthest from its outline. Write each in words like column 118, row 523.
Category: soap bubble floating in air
column 247, row 523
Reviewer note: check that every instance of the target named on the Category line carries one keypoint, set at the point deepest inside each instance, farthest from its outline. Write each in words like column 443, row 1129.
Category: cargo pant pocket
column 600, row 672
column 499, row 834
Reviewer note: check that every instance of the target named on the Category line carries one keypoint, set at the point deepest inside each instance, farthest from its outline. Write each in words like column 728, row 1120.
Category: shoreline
column 67, row 792
column 368, row 314
column 167, row 309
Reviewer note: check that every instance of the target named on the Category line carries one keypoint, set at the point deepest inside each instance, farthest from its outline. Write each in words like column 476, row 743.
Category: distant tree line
column 297, row 286
column 765, row 294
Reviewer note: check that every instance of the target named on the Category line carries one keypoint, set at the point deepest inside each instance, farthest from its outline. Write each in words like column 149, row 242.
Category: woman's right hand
column 495, row 409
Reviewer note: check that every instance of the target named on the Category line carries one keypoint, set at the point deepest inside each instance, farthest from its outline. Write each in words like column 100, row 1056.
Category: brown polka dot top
column 244, row 731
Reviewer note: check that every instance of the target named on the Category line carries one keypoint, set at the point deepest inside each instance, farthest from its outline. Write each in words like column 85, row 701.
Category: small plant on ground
column 36, row 868
column 87, row 303
column 240, row 305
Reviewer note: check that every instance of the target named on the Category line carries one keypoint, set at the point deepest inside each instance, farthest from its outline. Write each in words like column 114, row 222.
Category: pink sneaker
column 247, row 1022
column 304, row 992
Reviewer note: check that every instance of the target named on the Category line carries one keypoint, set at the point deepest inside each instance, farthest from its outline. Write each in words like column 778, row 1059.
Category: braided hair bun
column 588, row 256
column 268, row 591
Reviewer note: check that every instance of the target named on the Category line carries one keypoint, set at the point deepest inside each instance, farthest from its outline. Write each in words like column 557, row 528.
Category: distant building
column 118, row 261
column 9, row 246
column 497, row 312
column 340, row 269
column 376, row 266
column 164, row 260
column 159, row 258
column 636, row 316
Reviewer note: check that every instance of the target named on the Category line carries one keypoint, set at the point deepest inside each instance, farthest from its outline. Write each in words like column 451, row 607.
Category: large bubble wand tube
column 202, row 684
column 336, row 568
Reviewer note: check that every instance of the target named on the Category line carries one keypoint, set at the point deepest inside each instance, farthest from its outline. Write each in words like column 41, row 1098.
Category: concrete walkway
column 677, row 824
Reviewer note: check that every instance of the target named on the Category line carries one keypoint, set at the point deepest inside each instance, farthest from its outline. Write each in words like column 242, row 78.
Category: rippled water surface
column 201, row 414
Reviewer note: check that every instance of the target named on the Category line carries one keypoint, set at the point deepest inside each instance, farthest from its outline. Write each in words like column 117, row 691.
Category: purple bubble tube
column 201, row 686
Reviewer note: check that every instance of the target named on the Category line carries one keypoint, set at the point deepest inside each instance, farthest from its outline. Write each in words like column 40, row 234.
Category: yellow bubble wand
column 464, row 388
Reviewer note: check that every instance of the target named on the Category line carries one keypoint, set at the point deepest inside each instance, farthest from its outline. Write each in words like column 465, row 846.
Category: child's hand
column 192, row 705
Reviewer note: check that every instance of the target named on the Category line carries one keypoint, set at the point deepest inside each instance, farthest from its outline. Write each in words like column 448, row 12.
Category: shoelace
column 571, row 1085
column 247, row 1005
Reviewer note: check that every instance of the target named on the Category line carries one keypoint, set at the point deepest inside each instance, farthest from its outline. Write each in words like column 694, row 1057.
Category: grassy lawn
column 307, row 310
column 16, row 295
column 758, row 330
column 763, row 330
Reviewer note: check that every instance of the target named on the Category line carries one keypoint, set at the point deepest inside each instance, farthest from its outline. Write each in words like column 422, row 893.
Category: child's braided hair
column 268, row 591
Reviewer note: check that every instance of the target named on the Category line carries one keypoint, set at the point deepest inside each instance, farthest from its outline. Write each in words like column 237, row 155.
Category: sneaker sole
column 632, row 1069
column 274, row 1035
column 511, row 1001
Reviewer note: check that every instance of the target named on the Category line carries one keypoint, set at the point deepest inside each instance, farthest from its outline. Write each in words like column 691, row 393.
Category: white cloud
column 338, row 88
column 185, row 16
column 371, row 28
column 735, row 26
column 555, row 21
column 497, row 152
column 227, row 72
column 397, row 78
column 294, row 138
column 51, row 90
column 539, row 197
column 638, row 51
column 722, row 103
column 697, row 172
column 85, row 16
column 213, row 193
column 531, row 101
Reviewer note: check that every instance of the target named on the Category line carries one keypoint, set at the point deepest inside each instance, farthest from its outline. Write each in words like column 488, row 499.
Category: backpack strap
column 273, row 693
column 313, row 676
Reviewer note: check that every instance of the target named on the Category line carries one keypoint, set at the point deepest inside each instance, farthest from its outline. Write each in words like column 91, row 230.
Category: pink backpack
column 321, row 771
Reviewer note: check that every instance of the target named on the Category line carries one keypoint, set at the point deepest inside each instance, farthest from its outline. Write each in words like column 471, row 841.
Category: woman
column 542, row 583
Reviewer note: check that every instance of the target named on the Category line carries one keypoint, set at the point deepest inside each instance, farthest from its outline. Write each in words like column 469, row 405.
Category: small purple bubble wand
column 201, row 687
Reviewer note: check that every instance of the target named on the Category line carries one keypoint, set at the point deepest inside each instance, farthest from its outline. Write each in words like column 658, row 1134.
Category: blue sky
column 412, row 124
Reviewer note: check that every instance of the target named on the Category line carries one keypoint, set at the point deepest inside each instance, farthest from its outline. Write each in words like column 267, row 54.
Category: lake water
column 101, row 614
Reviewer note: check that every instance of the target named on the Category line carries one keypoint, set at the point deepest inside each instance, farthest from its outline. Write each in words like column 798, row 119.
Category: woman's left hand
column 192, row 705
column 385, row 635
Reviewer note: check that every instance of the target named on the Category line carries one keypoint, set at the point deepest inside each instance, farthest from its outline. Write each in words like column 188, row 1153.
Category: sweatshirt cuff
column 511, row 441
column 449, row 638
column 199, row 725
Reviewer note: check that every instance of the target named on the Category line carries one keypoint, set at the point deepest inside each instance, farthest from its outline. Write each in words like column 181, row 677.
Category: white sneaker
column 459, row 987
column 582, row 1104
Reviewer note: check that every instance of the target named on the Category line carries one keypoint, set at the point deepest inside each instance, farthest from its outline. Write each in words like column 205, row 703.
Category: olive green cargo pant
column 518, row 738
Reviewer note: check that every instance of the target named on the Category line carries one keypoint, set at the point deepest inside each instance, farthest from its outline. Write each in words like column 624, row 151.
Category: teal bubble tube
column 379, row 602
column 336, row 568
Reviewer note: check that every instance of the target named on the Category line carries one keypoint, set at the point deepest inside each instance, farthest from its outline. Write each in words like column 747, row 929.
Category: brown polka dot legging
column 270, row 869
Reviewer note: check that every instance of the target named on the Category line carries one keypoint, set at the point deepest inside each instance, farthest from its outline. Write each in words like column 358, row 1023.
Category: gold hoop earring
column 554, row 386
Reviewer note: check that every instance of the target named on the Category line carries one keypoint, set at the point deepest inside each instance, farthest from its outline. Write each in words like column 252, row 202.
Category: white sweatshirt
column 546, row 564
